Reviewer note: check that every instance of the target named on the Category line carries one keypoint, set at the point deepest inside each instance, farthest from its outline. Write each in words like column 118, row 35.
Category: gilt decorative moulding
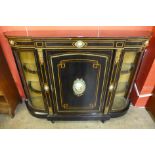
column 73, row 78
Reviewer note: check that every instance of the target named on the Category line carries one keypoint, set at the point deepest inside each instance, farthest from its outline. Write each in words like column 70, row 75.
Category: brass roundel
column 12, row 42
column 46, row 88
column 111, row 87
column 146, row 43
column 79, row 87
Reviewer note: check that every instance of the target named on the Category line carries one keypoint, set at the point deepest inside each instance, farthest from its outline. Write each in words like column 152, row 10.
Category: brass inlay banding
column 40, row 54
column 73, row 60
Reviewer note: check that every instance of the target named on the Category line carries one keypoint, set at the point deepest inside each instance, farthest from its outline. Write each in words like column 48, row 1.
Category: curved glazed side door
column 79, row 79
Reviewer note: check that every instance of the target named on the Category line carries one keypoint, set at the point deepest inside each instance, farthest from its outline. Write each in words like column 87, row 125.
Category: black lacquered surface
column 90, row 67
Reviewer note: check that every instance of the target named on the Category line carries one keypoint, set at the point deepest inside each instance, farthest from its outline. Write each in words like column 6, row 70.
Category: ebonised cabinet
column 77, row 78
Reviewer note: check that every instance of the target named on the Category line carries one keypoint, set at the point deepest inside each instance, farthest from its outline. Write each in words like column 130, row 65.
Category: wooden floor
column 137, row 118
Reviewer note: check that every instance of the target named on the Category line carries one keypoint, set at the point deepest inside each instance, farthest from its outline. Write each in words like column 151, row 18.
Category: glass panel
column 27, row 57
column 35, row 89
column 122, row 86
column 31, row 75
column 38, row 103
column 30, row 71
column 121, row 89
column 31, row 68
column 124, row 81
column 129, row 57
column 124, row 77
column 127, row 67
column 120, row 103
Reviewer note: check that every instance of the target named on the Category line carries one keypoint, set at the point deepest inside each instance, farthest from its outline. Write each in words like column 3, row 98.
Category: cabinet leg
column 52, row 121
column 102, row 121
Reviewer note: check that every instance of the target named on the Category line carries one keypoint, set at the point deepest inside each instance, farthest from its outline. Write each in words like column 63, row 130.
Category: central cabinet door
column 79, row 80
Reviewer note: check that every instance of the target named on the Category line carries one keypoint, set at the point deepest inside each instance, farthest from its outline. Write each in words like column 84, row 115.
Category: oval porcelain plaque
column 79, row 87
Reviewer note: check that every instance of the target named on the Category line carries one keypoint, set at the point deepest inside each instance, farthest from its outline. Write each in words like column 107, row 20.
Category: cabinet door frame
column 23, row 79
column 96, row 53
